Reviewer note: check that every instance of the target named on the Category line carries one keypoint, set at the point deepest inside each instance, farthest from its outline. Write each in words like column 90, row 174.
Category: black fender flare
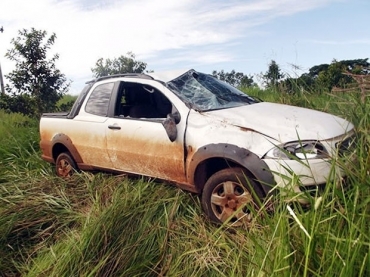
column 247, row 159
column 66, row 142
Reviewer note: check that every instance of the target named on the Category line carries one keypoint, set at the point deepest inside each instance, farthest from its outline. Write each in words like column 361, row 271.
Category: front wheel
column 65, row 166
column 230, row 194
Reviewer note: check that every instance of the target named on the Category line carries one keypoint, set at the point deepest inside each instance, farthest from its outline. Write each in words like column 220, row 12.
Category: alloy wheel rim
column 229, row 200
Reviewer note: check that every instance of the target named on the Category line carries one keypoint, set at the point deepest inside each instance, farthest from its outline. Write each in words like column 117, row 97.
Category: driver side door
column 137, row 141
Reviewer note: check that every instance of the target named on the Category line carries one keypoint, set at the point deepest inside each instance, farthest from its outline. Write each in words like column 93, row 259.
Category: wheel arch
column 62, row 143
column 214, row 157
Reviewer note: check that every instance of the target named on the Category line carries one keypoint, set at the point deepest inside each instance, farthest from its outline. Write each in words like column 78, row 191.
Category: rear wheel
column 65, row 166
column 230, row 194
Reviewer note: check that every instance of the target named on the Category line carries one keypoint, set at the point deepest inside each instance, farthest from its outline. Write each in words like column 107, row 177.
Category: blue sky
column 206, row 35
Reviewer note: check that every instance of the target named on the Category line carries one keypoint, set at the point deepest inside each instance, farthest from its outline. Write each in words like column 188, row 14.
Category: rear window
column 98, row 102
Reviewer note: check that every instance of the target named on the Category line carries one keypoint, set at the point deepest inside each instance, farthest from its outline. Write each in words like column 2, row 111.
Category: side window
column 142, row 101
column 98, row 102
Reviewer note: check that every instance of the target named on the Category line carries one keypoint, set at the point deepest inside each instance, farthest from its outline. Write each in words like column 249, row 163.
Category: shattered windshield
column 203, row 92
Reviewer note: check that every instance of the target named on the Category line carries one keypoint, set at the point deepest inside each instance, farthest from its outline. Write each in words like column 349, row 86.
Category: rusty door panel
column 143, row 147
column 89, row 139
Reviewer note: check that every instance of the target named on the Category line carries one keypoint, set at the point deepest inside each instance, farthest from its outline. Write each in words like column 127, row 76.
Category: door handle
column 114, row 127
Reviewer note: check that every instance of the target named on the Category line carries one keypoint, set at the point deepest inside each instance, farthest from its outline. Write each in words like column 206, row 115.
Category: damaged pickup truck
column 197, row 132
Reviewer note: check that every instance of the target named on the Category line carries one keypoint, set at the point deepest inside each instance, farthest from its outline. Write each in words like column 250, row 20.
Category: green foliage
column 19, row 152
column 236, row 79
column 358, row 66
column 22, row 103
column 273, row 75
column 66, row 102
column 323, row 78
column 36, row 84
column 122, row 64
column 332, row 76
column 320, row 78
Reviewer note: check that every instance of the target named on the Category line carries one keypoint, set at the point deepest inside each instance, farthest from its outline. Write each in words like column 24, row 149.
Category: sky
column 241, row 35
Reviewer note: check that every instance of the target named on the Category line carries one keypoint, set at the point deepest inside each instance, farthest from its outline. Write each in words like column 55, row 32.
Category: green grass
column 104, row 225
column 66, row 103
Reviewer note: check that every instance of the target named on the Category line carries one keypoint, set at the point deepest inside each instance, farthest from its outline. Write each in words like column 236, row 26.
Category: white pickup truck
column 196, row 132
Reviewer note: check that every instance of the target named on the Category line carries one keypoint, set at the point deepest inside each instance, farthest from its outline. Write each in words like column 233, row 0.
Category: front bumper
column 299, row 175
column 301, row 181
column 303, row 173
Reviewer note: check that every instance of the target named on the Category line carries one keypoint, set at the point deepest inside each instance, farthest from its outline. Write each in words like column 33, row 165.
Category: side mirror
column 176, row 116
column 169, row 125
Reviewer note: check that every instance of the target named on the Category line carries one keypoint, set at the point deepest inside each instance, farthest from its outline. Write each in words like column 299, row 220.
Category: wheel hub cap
column 232, row 204
column 227, row 198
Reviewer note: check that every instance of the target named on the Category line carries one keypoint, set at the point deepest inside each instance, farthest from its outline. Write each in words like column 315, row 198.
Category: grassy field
column 104, row 225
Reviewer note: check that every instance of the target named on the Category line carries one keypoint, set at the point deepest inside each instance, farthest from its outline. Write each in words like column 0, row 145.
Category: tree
column 35, row 81
column 273, row 75
column 328, row 76
column 122, row 64
column 358, row 66
column 332, row 76
column 236, row 79
column 337, row 74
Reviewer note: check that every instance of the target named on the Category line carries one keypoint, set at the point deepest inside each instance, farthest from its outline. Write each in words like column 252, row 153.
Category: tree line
column 36, row 85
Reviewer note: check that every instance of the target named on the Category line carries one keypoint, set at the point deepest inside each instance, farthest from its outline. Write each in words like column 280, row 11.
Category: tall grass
column 104, row 225
column 19, row 151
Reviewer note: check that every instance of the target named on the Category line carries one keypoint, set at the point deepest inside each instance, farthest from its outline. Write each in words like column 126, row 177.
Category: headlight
column 298, row 149
column 347, row 146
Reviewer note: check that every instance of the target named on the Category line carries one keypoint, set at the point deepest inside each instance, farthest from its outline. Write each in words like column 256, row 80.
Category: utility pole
column 1, row 73
column 1, row 81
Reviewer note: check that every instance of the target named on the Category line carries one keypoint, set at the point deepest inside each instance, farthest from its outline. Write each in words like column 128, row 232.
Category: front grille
column 346, row 146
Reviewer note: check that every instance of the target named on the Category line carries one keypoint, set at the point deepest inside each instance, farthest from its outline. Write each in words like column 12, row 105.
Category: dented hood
column 284, row 123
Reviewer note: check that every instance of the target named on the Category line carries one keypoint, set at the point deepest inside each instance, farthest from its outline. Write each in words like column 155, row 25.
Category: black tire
column 65, row 166
column 230, row 194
